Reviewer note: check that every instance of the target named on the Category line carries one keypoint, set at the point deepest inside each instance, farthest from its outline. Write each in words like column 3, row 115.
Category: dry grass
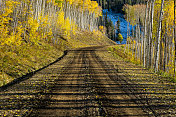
column 17, row 61
column 86, row 39
column 119, row 50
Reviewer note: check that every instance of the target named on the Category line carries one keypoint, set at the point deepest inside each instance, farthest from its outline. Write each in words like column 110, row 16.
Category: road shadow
column 87, row 83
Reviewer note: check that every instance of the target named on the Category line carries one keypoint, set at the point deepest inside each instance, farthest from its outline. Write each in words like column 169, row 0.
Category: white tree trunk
column 158, row 38
column 145, row 35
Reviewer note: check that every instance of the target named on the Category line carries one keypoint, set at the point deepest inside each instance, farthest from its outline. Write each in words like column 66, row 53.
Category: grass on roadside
column 16, row 61
column 130, row 57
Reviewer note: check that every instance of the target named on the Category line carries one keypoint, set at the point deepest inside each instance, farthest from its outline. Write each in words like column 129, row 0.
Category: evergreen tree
column 109, row 27
column 118, row 26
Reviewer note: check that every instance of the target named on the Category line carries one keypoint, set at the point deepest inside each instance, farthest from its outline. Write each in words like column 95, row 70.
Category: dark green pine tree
column 106, row 23
column 118, row 26
column 111, row 30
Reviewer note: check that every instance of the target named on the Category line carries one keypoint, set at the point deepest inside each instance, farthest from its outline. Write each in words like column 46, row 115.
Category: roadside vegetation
column 34, row 33
column 153, row 40
column 120, row 52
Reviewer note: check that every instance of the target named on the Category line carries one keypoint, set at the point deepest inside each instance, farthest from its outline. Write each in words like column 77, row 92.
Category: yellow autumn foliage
column 39, row 26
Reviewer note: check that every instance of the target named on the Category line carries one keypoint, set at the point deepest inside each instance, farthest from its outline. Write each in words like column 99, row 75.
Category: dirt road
column 89, row 82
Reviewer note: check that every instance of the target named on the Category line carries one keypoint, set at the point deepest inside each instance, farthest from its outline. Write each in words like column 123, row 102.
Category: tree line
column 153, row 40
column 30, row 21
column 117, row 5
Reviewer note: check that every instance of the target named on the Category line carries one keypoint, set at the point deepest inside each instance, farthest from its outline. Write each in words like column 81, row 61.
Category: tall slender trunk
column 165, row 48
column 0, row 4
column 158, row 38
column 101, row 3
column 148, row 37
column 139, row 42
column 144, row 39
column 152, row 53
column 127, row 41
column 104, row 4
column 161, row 52
column 165, row 53
column 141, row 56
column 174, row 33
column 151, row 32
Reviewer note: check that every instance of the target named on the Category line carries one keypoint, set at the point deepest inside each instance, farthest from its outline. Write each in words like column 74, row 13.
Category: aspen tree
column 158, row 37
column 34, row 20
column 157, row 47
column 145, row 35
column 175, row 34
column 151, row 32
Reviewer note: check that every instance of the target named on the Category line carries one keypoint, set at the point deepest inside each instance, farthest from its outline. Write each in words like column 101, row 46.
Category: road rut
column 87, row 82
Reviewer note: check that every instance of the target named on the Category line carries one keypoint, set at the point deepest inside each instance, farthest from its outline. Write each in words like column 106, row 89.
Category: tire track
column 90, row 81
column 64, row 88
column 120, row 81
column 82, row 84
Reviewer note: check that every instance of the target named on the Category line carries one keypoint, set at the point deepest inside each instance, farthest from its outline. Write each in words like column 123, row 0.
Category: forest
column 25, row 24
column 31, row 22
column 117, row 5
column 61, row 58
column 34, row 32
column 154, row 38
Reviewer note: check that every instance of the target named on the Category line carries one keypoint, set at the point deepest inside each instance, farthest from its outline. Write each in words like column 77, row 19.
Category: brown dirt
column 88, row 82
